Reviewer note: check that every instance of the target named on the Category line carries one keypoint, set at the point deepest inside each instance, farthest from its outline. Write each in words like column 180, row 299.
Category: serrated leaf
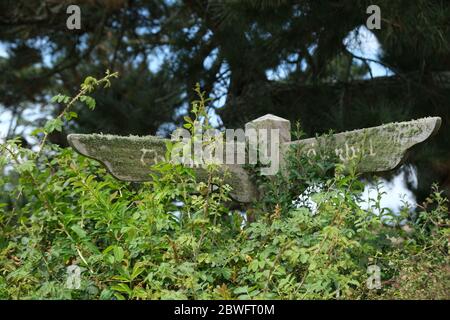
column 88, row 101
column 71, row 115
column 55, row 98
column 53, row 124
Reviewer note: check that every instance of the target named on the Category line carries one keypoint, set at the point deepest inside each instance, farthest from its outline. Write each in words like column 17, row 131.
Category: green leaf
column 26, row 166
column 188, row 119
column 78, row 230
column 303, row 255
column 118, row 253
column 53, row 124
column 240, row 290
column 254, row 265
column 70, row 115
column 122, row 287
column 121, row 278
column 54, row 98
column 136, row 272
column 108, row 249
column 88, row 101
column 37, row 131
column 60, row 98
column 119, row 296
column 89, row 84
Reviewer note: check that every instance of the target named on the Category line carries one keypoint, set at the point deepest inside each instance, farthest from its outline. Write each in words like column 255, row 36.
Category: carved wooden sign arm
column 378, row 149
column 130, row 158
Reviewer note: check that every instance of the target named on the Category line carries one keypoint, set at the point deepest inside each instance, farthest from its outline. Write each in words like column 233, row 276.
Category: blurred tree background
column 289, row 58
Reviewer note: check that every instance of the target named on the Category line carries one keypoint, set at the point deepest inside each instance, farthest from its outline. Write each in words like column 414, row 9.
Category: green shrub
column 175, row 238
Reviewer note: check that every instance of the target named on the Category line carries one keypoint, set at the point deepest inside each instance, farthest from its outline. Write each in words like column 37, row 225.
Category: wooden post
column 380, row 149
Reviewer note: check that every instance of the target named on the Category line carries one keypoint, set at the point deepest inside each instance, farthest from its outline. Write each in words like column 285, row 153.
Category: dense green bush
column 176, row 238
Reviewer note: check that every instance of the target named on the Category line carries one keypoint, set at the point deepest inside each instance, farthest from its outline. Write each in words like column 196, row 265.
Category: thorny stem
column 82, row 92
column 85, row 89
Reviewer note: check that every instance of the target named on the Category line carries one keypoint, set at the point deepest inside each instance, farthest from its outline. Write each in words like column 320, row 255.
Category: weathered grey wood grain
column 374, row 149
column 130, row 159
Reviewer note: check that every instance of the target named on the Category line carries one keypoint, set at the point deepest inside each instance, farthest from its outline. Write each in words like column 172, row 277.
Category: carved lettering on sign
column 151, row 152
column 377, row 149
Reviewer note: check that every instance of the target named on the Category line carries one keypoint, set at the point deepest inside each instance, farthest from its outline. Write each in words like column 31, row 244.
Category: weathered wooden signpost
column 379, row 149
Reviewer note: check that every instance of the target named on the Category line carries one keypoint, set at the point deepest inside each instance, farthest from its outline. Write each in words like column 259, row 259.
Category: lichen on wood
column 374, row 149
column 131, row 158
